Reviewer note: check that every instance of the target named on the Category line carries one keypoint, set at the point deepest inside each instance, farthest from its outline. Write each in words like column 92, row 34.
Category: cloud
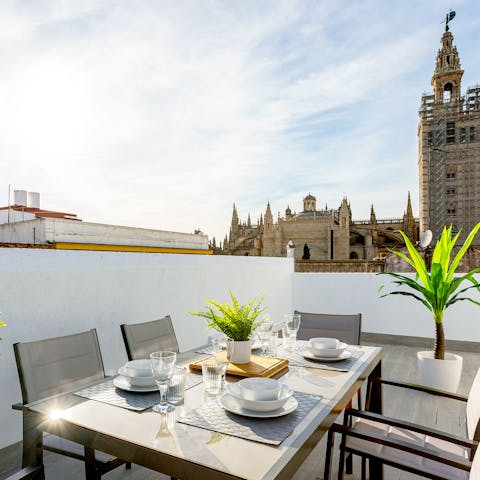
column 163, row 114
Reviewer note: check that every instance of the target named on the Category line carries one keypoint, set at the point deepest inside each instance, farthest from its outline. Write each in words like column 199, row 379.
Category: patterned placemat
column 272, row 431
column 107, row 392
column 296, row 360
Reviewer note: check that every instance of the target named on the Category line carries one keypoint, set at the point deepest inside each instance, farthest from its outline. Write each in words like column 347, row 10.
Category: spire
column 409, row 224
column 249, row 221
column 373, row 217
column 409, row 207
column 235, row 221
column 268, row 218
column 448, row 71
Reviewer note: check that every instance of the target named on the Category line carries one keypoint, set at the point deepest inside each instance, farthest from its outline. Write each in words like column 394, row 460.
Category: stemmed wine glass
column 163, row 366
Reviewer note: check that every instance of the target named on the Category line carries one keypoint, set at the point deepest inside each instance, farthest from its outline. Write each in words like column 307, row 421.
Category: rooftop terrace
column 49, row 293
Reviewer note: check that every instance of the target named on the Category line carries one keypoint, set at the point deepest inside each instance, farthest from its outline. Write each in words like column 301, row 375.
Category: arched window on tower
column 447, row 92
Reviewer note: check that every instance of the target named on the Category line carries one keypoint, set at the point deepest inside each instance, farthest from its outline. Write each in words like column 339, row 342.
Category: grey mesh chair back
column 346, row 328
column 141, row 339
column 56, row 365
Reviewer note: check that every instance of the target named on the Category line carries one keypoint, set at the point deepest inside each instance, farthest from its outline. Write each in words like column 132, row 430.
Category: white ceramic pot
column 239, row 352
column 441, row 374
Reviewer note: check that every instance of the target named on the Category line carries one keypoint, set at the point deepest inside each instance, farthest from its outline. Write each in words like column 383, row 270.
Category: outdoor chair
column 54, row 366
column 407, row 446
column 141, row 339
column 347, row 328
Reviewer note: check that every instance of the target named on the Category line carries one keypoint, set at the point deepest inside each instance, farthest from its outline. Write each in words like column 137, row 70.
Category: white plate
column 137, row 381
column 231, row 404
column 123, row 383
column 307, row 353
column 260, row 405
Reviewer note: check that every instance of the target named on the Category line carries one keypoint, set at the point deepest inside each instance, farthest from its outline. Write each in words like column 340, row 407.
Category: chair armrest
column 448, row 437
column 445, row 458
column 28, row 473
column 421, row 388
column 18, row 406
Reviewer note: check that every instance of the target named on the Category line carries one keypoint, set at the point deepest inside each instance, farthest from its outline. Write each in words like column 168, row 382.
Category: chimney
column 27, row 199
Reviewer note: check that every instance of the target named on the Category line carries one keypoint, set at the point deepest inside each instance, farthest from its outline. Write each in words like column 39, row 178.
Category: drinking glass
column 176, row 386
column 163, row 366
column 218, row 347
column 264, row 332
column 273, row 343
column 212, row 376
column 289, row 331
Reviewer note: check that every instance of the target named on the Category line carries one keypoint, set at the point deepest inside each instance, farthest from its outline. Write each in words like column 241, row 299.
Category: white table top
column 228, row 456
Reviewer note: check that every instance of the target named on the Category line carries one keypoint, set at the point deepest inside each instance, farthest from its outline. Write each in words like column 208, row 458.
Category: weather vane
column 448, row 18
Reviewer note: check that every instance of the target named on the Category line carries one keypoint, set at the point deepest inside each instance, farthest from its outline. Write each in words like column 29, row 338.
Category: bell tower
column 447, row 77
column 448, row 148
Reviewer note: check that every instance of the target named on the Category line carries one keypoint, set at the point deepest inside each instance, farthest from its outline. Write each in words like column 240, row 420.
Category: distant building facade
column 25, row 224
column 318, row 234
column 449, row 148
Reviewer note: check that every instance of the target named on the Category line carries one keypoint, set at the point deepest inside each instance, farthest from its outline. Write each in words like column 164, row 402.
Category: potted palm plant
column 237, row 322
column 437, row 290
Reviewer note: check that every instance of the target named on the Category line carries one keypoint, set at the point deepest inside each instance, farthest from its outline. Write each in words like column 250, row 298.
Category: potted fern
column 437, row 290
column 237, row 322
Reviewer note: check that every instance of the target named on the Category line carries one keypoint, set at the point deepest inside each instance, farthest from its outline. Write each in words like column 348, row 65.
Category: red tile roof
column 39, row 213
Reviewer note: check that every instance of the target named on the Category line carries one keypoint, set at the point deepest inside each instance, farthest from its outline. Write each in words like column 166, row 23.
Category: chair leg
column 328, row 455
column 349, row 464
column 341, row 460
column 91, row 472
column 32, row 440
column 364, row 468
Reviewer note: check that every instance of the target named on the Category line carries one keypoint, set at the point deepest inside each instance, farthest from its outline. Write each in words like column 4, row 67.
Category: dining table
column 203, row 441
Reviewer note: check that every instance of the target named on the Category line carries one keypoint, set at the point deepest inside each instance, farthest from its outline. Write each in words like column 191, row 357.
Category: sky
column 162, row 114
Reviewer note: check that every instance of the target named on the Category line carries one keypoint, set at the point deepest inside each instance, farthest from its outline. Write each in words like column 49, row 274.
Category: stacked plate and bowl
column 259, row 397
column 136, row 376
column 325, row 349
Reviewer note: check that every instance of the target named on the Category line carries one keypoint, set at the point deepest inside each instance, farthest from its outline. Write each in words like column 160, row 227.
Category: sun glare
column 55, row 415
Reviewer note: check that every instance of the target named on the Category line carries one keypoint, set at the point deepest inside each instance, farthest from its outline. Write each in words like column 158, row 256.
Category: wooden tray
column 257, row 367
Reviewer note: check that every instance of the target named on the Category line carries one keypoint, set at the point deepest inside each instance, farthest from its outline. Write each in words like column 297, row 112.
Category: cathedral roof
column 309, row 197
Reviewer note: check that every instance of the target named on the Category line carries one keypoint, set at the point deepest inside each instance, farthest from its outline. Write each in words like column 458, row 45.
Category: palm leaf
column 463, row 250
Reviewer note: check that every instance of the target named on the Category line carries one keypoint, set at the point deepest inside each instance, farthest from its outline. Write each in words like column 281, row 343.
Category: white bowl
column 260, row 405
column 139, row 368
column 323, row 342
column 136, row 381
column 259, row 388
column 327, row 352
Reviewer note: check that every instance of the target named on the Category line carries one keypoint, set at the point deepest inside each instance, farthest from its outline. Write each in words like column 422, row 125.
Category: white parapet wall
column 343, row 293
column 48, row 293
